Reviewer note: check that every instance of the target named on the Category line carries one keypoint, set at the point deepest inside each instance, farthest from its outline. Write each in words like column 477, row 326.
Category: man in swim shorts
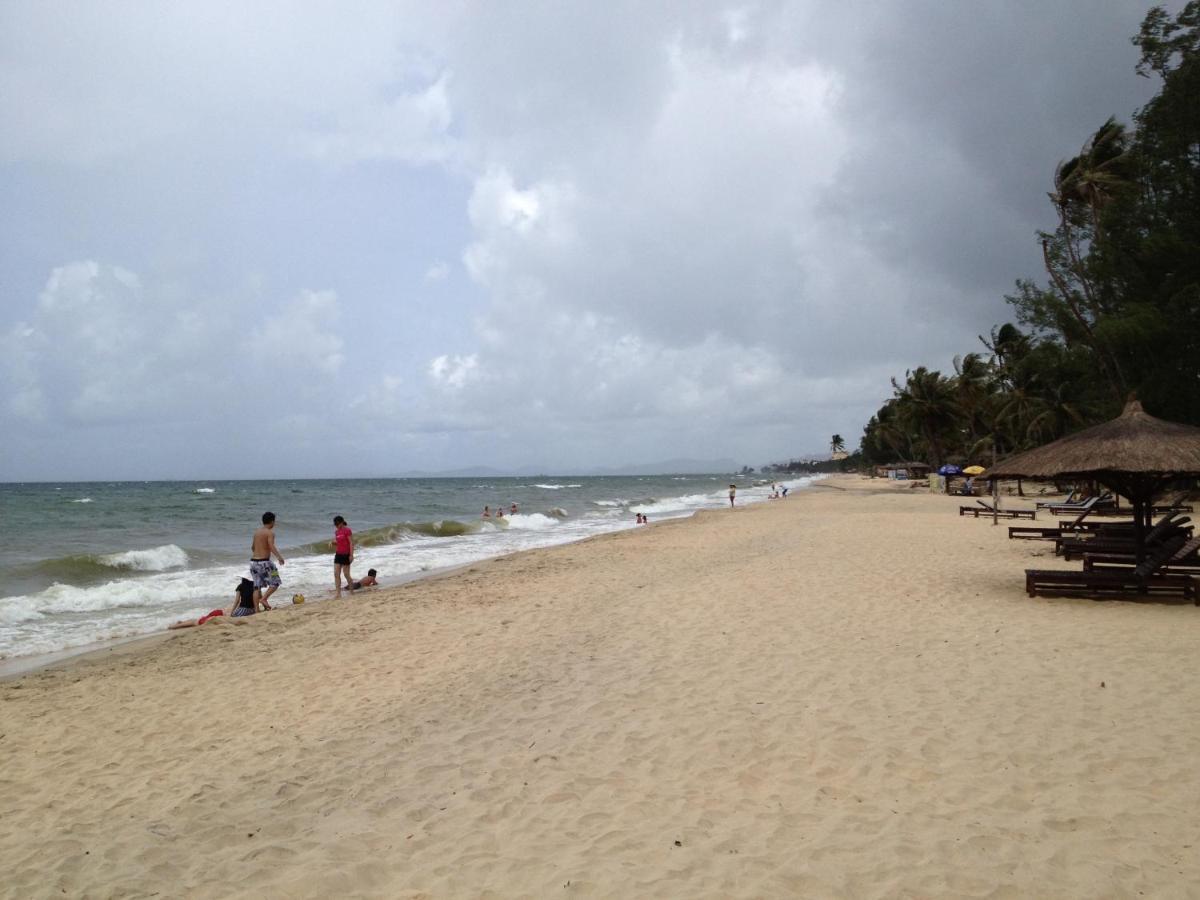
column 263, row 572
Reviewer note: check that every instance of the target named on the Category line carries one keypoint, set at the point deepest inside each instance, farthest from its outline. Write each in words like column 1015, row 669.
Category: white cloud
column 302, row 335
column 103, row 346
column 454, row 372
column 438, row 271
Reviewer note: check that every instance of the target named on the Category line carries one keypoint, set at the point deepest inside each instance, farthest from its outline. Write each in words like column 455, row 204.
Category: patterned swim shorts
column 264, row 573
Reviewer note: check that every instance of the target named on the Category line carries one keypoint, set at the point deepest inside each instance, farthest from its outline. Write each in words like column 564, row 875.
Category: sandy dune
column 846, row 693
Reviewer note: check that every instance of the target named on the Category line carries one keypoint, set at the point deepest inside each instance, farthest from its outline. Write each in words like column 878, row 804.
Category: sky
column 360, row 239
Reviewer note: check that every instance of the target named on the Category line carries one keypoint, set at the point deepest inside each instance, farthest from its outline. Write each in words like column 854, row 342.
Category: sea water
column 93, row 561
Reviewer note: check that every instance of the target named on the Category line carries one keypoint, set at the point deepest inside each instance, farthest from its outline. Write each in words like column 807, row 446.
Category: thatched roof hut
column 1134, row 443
column 1135, row 455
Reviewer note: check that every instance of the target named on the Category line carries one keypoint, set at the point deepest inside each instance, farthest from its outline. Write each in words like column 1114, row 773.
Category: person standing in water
column 343, row 554
column 263, row 572
column 732, row 494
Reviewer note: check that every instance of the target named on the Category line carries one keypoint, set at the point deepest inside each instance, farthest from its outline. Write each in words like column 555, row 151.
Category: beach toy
column 297, row 599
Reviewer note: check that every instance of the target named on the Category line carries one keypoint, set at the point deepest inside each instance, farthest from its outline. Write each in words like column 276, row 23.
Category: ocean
column 82, row 563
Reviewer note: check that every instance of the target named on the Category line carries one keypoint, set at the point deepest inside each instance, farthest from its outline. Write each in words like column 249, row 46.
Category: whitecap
column 83, row 500
column 156, row 559
column 205, row 491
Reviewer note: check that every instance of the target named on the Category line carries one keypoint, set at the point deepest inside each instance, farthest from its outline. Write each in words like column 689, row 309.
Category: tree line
column 1117, row 310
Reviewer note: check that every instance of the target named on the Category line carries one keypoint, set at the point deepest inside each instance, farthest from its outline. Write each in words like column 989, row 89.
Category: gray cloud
column 544, row 234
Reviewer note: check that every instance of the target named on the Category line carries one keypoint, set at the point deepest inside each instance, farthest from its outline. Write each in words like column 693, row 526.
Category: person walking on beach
column 343, row 554
column 263, row 572
column 732, row 494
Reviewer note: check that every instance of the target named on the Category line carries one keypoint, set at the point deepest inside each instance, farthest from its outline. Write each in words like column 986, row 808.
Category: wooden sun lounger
column 1154, row 510
column 1143, row 580
column 1106, row 501
column 1029, row 533
column 1073, row 546
column 983, row 509
column 1106, row 584
column 1186, row 560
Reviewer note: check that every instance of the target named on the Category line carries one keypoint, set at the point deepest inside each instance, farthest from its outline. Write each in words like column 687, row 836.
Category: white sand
column 846, row 693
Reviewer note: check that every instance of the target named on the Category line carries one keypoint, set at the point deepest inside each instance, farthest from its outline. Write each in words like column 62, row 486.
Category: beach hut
column 1135, row 455
column 902, row 470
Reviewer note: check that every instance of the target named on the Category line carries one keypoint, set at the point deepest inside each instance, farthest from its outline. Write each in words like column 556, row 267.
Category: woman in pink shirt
column 343, row 554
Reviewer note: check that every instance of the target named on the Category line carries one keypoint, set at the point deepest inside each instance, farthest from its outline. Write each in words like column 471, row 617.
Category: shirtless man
column 262, row 571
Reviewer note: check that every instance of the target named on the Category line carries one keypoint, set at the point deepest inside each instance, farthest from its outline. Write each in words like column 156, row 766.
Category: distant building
column 903, row 470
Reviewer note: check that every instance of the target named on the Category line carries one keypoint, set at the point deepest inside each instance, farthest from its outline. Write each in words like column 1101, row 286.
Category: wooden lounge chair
column 984, row 509
column 1144, row 580
column 1185, row 560
column 1022, row 532
column 1070, row 501
column 1170, row 527
column 1104, row 501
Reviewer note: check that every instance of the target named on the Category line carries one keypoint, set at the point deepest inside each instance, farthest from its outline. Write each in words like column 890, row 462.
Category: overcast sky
column 245, row 240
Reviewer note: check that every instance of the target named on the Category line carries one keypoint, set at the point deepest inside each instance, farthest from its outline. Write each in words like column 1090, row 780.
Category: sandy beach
column 843, row 694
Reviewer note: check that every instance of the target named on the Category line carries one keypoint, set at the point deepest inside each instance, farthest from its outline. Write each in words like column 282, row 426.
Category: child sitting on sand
column 244, row 604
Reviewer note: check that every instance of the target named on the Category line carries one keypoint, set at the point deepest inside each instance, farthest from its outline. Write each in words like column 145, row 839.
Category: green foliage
column 1120, row 308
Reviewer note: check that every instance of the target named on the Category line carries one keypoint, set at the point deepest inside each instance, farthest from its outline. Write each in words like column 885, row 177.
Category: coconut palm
column 925, row 403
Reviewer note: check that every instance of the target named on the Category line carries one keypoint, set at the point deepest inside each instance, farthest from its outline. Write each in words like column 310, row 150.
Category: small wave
column 93, row 567
column 156, row 559
column 556, row 487
column 83, row 500
column 204, row 491
column 395, row 534
column 609, row 503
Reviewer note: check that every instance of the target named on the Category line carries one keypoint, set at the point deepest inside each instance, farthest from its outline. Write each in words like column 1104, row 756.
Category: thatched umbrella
column 1135, row 455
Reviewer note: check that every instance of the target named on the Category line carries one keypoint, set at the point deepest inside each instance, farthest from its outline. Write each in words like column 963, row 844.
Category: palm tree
column 836, row 444
column 925, row 403
column 1083, row 186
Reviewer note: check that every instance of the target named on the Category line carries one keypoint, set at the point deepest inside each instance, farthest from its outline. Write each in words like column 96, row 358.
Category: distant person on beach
column 499, row 512
column 262, row 571
column 785, row 490
column 639, row 518
column 512, row 510
column 343, row 554
column 369, row 581
column 487, row 512
column 732, row 494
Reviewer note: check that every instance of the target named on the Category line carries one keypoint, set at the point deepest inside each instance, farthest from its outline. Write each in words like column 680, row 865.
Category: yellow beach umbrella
column 974, row 470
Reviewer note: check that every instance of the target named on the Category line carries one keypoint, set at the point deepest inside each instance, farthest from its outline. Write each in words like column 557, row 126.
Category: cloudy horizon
column 370, row 238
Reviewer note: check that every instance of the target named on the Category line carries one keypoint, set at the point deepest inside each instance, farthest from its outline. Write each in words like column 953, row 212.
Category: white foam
column 531, row 522
column 83, row 500
column 205, row 491
column 156, row 559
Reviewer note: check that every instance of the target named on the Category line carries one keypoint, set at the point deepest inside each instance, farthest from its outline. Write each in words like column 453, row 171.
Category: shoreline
column 844, row 694
column 17, row 666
